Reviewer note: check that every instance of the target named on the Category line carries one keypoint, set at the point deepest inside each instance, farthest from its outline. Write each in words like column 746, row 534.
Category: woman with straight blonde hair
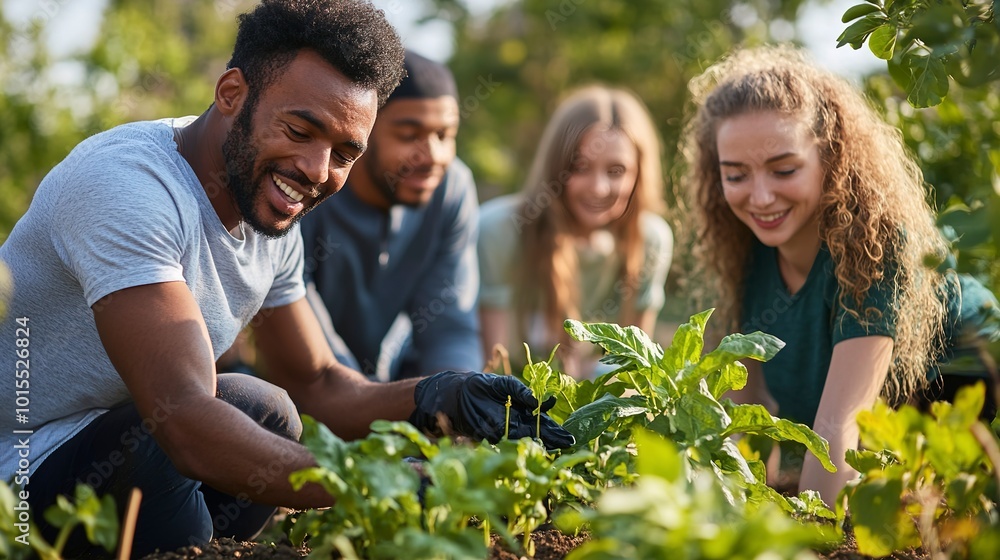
column 813, row 221
column 584, row 239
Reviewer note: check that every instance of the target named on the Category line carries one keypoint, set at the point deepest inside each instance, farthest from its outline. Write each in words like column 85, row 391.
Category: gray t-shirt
column 124, row 209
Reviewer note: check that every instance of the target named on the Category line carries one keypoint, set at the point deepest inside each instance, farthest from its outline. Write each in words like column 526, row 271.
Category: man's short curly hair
column 352, row 35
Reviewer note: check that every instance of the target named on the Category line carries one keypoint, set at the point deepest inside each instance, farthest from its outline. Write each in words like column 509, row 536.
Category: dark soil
column 220, row 549
column 550, row 544
column 849, row 551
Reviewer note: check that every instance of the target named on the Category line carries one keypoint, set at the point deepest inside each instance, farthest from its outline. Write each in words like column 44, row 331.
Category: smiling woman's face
column 772, row 177
column 602, row 178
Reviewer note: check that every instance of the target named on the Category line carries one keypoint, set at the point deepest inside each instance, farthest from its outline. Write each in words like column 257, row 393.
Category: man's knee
column 268, row 405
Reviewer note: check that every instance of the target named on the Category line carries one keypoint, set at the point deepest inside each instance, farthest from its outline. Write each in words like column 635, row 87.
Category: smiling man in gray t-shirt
column 152, row 245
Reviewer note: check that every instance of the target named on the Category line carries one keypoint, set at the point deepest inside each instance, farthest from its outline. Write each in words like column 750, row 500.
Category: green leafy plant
column 675, row 510
column 925, row 43
column 675, row 393
column 927, row 479
column 473, row 490
column 544, row 382
column 98, row 516
column 513, row 487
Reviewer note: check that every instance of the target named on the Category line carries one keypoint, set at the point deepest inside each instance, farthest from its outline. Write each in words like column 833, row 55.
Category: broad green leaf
column 930, row 80
column 700, row 417
column 854, row 12
column 330, row 481
column 756, row 346
column 410, row 432
column 969, row 401
column 328, row 449
column 857, row 32
column 658, row 456
column 880, row 526
column 788, row 430
column 964, row 492
column 884, row 428
column 882, row 41
column 754, row 418
column 412, row 542
column 104, row 528
column 730, row 460
column 978, row 67
column 687, row 344
column 590, row 421
column 570, row 460
column 748, row 419
column 730, row 377
column 662, row 425
column 864, row 461
column 900, row 72
column 761, row 493
column 60, row 513
column 624, row 346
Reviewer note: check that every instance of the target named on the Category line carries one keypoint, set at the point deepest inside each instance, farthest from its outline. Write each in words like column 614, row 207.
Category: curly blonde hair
column 874, row 213
column 548, row 281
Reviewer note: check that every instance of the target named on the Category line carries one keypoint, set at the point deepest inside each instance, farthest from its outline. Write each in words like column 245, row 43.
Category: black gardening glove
column 475, row 404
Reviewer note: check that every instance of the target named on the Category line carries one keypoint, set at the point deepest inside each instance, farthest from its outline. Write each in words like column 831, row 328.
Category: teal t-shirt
column 811, row 322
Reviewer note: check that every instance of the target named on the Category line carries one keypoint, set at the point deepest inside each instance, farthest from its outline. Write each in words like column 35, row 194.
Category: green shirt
column 811, row 322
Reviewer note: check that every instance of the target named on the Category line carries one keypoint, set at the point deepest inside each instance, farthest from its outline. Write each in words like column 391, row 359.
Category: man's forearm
column 348, row 403
column 221, row 446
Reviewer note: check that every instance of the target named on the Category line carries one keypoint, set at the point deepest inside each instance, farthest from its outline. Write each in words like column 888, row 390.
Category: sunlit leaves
column 925, row 43
column 928, row 466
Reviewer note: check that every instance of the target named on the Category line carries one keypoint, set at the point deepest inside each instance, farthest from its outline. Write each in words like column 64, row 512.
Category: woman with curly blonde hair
column 813, row 221
column 583, row 240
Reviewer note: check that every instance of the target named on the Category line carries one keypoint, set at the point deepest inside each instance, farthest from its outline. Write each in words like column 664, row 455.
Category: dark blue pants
column 117, row 452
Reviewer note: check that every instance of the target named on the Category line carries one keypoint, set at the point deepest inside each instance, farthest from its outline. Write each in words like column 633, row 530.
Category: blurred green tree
column 152, row 59
column 929, row 48
column 513, row 65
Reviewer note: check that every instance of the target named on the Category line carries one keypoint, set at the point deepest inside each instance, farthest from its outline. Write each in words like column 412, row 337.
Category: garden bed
column 550, row 544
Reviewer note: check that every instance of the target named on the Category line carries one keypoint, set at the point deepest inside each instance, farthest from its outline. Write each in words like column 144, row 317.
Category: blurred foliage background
column 512, row 63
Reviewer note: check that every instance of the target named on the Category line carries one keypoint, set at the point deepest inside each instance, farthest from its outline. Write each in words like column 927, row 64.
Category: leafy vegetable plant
column 676, row 510
column 97, row 515
column 383, row 510
column 675, row 393
column 926, row 480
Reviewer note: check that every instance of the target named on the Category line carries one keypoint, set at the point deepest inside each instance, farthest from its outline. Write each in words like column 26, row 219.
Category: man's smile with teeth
column 292, row 193
column 770, row 217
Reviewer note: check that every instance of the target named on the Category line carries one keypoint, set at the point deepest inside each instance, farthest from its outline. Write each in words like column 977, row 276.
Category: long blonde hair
column 873, row 209
column 548, row 278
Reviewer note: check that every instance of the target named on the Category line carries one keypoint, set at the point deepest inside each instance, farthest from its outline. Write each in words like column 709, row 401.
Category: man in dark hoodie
column 401, row 240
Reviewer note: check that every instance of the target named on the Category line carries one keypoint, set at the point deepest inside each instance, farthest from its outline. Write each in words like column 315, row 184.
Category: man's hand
column 475, row 404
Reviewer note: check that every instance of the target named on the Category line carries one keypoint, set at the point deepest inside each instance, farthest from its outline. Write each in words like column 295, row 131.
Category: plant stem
column 986, row 439
column 634, row 384
column 63, row 536
column 538, row 421
column 506, row 427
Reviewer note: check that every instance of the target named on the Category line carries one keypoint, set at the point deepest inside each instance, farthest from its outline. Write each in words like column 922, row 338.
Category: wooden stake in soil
column 128, row 524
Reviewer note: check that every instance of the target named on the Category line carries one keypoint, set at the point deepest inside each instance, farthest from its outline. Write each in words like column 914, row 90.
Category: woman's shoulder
column 501, row 213
column 655, row 230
